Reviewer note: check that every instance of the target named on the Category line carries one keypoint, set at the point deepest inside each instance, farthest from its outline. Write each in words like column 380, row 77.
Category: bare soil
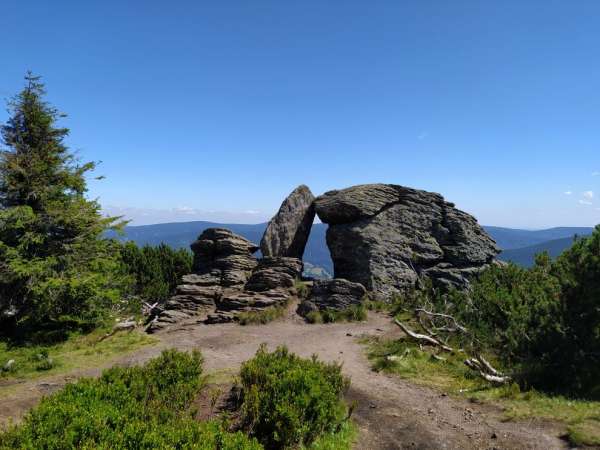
column 391, row 413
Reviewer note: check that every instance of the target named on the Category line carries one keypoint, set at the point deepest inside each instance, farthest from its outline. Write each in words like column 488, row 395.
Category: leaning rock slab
column 386, row 236
column 287, row 232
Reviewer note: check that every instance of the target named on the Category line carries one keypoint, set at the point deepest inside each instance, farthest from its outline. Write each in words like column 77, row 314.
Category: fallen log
column 422, row 338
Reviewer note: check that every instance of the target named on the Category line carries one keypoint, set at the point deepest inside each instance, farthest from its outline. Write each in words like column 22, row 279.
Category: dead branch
column 486, row 371
column 457, row 326
column 488, row 367
column 425, row 327
column 422, row 338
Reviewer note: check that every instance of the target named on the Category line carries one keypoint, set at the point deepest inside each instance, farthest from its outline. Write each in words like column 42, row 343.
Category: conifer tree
column 56, row 270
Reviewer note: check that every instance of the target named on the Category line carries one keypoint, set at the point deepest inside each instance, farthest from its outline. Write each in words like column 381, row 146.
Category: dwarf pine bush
column 290, row 401
column 129, row 408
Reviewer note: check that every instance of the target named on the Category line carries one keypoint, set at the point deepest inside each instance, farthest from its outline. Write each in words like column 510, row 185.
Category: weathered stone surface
column 306, row 307
column 221, row 254
column 288, row 230
column 385, row 236
column 273, row 273
column 336, row 294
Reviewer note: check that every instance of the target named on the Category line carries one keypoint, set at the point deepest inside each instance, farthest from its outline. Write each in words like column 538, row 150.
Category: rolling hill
column 519, row 246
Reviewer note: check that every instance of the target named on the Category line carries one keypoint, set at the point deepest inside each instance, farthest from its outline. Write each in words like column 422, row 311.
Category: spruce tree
column 56, row 270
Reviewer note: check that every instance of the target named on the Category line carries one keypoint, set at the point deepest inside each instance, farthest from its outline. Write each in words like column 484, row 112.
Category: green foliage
column 262, row 317
column 131, row 408
column 77, row 352
column 543, row 323
column 514, row 311
column 354, row 313
column 290, row 401
column 155, row 271
column 56, row 271
column 302, row 289
column 578, row 353
column 405, row 359
column 314, row 317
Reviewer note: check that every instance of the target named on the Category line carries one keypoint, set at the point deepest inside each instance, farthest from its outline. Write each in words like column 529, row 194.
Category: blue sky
column 217, row 110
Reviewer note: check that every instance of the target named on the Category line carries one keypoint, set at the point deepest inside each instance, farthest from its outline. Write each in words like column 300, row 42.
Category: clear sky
column 218, row 109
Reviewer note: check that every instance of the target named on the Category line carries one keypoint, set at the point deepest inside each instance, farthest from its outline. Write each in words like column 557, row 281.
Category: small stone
column 494, row 436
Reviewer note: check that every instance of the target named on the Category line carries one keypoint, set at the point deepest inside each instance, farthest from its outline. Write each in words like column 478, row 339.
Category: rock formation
column 224, row 255
column 382, row 237
column 288, row 230
column 227, row 281
column 385, row 236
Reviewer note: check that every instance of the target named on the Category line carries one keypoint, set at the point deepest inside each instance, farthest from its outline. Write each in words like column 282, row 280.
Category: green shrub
column 290, row 401
column 155, row 271
column 577, row 356
column 262, row 317
column 314, row 317
column 130, row 408
column 354, row 313
column 543, row 323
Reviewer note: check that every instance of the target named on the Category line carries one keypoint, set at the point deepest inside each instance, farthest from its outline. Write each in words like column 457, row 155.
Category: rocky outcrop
column 227, row 281
column 338, row 294
column 224, row 255
column 273, row 273
column 287, row 232
column 386, row 236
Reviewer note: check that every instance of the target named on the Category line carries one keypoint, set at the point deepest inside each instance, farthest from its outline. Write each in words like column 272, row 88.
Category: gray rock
column 306, row 307
column 273, row 273
column 336, row 294
column 221, row 254
column 386, row 236
column 287, row 232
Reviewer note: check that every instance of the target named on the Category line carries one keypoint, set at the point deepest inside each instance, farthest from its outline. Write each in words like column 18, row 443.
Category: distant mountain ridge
column 513, row 238
column 519, row 246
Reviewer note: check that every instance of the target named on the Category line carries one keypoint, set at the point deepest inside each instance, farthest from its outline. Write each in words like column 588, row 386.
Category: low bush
column 262, row 317
column 314, row 317
column 131, row 408
column 289, row 401
column 355, row 313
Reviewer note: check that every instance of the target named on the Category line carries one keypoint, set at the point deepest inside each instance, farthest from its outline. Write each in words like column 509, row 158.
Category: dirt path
column 391, row 413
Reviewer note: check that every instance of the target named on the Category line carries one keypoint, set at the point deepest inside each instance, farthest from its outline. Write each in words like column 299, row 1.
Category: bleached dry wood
column 484, row 370
column 457, row 326
column 422, row 338
column 488, row 367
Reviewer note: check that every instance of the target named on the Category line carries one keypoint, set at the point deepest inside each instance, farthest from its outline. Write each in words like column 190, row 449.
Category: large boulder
column 287, row 232
column 386, row 237
column 222, row 254
column 338, row 294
